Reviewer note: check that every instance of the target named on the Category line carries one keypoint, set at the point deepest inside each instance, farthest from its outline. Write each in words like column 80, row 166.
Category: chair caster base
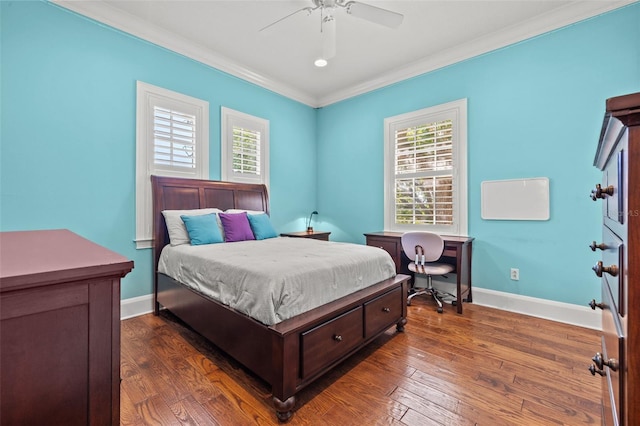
column 440, row 310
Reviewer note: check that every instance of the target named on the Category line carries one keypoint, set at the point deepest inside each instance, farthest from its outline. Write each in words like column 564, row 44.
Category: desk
column 457, row 251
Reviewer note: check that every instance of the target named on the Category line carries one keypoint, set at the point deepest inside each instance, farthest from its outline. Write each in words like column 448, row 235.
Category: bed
column 292, row 353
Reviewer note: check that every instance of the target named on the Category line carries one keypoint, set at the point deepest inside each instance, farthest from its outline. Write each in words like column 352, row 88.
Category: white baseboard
column 136, row 306
column 567, row 313
column 582, row 316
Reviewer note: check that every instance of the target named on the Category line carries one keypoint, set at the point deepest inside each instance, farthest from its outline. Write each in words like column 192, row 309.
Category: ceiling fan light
column 320, row 62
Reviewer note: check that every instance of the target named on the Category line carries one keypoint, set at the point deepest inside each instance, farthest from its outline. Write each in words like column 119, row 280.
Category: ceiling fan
column 328, row 9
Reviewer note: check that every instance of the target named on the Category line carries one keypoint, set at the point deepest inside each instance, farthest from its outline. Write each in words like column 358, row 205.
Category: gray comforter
column 278, row 278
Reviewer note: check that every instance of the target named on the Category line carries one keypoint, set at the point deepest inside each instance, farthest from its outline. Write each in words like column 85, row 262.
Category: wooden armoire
column 618, row 359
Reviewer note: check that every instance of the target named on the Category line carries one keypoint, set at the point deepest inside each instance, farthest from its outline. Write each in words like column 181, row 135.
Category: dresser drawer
column 383, row 312
column 613, row 256
column 612, row 349
column 326, row 343
column 389, row 245
column 613, row 176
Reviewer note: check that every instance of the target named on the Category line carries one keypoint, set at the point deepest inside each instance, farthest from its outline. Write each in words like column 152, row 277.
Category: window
column 425, row 170
column 172, row 139
column 245, row 148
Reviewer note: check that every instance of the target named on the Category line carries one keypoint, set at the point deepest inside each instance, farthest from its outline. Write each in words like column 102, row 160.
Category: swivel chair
column 425, row 248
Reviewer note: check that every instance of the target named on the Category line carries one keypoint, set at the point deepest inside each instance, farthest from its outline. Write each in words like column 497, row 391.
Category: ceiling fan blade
column 304, row 9
column 374, row 14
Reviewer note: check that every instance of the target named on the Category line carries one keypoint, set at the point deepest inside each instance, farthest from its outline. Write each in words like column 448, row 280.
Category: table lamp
column 309, row 227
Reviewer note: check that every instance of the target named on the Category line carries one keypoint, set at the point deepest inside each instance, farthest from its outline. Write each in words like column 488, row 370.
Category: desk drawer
column 326, row 343
column 390, row 245
column 382, row 312
column 450, row 252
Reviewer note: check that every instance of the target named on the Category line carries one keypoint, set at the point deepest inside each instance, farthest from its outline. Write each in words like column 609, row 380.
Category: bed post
column 284, row 410
column 400, row 324
column 285, row 352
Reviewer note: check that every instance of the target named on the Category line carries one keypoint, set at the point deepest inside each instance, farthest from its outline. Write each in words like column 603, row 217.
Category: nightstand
column 316, row 235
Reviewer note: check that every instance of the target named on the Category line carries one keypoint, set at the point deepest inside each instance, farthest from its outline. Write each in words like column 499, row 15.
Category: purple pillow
column 236, row 227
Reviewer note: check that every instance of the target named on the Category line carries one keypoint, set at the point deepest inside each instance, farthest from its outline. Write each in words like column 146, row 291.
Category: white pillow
column 178, row 234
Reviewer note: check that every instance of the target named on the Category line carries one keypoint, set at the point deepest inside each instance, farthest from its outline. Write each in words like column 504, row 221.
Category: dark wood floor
column 486, row 367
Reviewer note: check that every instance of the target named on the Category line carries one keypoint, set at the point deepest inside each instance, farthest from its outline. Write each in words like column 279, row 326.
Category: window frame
column 229, row 118
column 457, row 112
column 148, row 97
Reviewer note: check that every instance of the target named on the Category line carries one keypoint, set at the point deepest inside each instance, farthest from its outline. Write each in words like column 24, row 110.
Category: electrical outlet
column 515, row 274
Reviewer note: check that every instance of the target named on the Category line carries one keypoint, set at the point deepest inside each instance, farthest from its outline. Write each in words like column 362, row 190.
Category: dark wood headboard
column 171, row 193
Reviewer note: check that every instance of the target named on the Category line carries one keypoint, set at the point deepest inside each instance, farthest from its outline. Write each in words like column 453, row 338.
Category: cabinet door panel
column 45, row 368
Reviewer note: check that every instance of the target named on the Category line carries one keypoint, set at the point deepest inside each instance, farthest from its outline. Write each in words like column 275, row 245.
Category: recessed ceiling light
column 320, row 63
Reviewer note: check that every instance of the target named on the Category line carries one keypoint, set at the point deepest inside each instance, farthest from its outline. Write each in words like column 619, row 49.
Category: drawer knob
column 593, row 246
column 599, row 269
column 337, row 338
column 601, row 192
column 595, row 305
column 594, row 370
column 387, row 310
column 601, row 363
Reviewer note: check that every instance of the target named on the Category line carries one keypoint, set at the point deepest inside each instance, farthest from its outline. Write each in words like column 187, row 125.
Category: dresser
column 59, row 329
column 617, row 361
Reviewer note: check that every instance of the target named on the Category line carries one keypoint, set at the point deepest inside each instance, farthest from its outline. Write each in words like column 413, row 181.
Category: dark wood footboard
column 292, row 354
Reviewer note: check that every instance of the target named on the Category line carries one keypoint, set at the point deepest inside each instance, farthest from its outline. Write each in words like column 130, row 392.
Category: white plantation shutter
column 172, row 139
column 246, row 151
column 425, row 170
column 245, row 147
column 424, row 148
column 424, row 201
column 423, row 166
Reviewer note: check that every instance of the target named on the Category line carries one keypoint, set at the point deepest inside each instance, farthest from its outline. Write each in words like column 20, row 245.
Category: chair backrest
column 432, row 245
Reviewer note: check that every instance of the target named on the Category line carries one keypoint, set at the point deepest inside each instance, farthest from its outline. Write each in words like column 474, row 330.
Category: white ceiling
column 225, row 35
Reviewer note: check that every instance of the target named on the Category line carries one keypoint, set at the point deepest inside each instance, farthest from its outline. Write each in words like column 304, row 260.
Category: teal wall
column 534, row 109
column 68, row 99
column 67, row 147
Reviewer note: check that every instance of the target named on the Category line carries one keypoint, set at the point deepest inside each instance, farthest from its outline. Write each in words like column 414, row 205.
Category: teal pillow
column 202, row 229
column 261, row 226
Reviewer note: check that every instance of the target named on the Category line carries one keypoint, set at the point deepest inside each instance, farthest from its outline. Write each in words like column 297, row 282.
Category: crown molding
column 569, row 14
column 106, row 14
